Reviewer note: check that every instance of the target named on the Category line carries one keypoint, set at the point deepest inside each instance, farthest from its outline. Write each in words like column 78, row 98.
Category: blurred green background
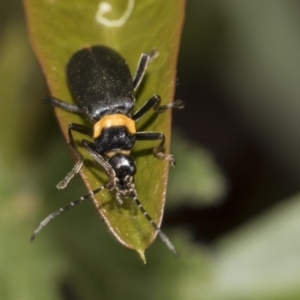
column 233, row 206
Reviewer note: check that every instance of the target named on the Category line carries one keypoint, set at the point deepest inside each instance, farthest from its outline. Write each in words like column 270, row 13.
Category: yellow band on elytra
column 112, row 121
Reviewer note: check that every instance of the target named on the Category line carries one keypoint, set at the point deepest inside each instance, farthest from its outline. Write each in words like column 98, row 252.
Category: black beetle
column 101, row 83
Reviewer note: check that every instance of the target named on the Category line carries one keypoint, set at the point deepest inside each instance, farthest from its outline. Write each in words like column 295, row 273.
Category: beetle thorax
column 113, row 121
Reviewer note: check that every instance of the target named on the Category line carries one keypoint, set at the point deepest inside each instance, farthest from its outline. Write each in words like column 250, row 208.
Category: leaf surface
column 57, row 30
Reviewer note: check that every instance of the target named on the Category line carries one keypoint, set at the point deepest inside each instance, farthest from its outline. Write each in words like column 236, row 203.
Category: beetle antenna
column 65, row 209
column 161, row 234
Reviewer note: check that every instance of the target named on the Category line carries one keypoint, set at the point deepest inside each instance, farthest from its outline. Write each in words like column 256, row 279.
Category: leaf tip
column 142, row 255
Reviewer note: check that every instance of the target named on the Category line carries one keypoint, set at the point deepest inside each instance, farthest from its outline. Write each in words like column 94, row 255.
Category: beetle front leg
column 90, row 147
column 158, row 151
column 79, row 158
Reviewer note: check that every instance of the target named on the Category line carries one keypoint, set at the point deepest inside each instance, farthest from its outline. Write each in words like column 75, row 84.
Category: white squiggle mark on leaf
column 105, row 7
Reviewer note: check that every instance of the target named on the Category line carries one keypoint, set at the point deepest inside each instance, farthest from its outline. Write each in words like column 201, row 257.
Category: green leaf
column 57, row 29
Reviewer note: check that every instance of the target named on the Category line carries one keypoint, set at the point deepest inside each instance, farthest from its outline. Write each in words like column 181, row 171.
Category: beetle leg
column 151, row 103
column 145, row 59
column 178, row 104
column 61, row 104
column 154, row 102
column 158, row 151
column 99, row 158
column 79, row 158
column 141, row 69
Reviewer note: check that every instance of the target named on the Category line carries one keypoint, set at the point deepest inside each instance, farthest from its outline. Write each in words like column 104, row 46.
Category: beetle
column 100, row 81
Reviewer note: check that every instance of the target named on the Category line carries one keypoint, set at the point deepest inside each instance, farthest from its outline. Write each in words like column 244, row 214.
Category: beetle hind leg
column 62, row 104
column 145, row 59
